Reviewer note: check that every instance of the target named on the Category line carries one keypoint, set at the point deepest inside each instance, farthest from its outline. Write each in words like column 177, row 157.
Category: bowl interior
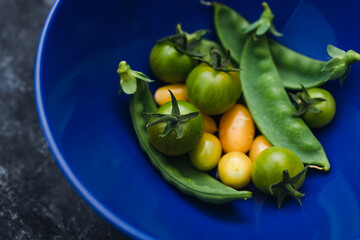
column 89, row 129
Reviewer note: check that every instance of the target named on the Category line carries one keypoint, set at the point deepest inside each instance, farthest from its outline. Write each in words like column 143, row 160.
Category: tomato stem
column 184, row 42
column 316, row 167
column 220, row 62
column 304, row 103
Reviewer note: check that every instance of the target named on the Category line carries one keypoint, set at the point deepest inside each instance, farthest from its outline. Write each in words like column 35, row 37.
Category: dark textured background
column 36, row 201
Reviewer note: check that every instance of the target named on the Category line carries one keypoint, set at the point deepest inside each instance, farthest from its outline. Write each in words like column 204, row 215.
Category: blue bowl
column 89, row 130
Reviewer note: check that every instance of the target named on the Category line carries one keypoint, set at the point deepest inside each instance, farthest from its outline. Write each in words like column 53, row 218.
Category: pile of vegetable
column 212, row 114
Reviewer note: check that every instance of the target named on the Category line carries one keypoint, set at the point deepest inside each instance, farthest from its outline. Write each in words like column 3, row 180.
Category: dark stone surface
column 36, row 201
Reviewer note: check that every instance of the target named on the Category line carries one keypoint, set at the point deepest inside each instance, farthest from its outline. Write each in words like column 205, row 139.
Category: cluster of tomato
column 233, row 136
column 201, row 114
column 230, row 145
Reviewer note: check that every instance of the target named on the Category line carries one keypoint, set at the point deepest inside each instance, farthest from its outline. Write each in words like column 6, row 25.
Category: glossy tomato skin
column 269, row 165
column 206, row 154
column 234, row 169
column 213, row 92
column 327, row 108
column 236, row 129
column 168, row 64
column 209, row 123
column 162, row 95
column 192, row 129
column 259, row 144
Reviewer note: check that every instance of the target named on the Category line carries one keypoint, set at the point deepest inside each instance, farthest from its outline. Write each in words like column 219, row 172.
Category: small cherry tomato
column 234, row 169
column 206, row 154
column 209, row 123
column 213, row 91
column 327, row 108
column 162, row 94
column 170, row 144
column 269, row 165
column 259, row 144
column 168, row 64
column 236, row 129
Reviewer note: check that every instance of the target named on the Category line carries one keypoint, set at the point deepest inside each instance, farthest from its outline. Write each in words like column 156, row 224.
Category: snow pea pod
column 294, row 68
column 178, row 171
column 271, row 107
column 230, row 27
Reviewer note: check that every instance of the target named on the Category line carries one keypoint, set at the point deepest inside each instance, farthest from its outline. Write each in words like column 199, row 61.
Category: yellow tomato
column 259, row 144
column 234, row 169
column 209, row 124
column 162, row 94
column 206, row 155
column 236, row 129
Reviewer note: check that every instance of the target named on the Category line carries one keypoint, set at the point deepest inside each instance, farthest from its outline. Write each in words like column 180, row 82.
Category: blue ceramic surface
column 89, row 130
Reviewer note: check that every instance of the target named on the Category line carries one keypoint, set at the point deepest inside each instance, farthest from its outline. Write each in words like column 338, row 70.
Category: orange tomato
column 236, row 129
column 259, row 144
column 209, row 124
column 234, row 169
column 162, row 94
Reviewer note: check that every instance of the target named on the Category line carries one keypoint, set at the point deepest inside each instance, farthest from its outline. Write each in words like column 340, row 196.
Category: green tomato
column 213, row 92
column 169, row 144
column 269, row 165
column 327, row 108
column 206, row 155
column 168, row 64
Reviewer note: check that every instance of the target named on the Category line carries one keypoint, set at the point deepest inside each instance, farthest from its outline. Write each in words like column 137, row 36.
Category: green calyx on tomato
column 264, row 24
column 285, row 188
column 185, row 42
column 305, row 103
column 220, row 62
column 128, row 78
column 173, row 121
column 175, row 128
column 277, row 171
column 316, row 106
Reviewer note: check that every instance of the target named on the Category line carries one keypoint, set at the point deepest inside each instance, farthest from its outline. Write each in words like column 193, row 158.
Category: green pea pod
column 230, row 28
column 271, row 108
column 294, row 68
column 178, row 171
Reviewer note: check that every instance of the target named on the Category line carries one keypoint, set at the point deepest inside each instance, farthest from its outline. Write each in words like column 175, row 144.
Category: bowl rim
column 119, row 223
